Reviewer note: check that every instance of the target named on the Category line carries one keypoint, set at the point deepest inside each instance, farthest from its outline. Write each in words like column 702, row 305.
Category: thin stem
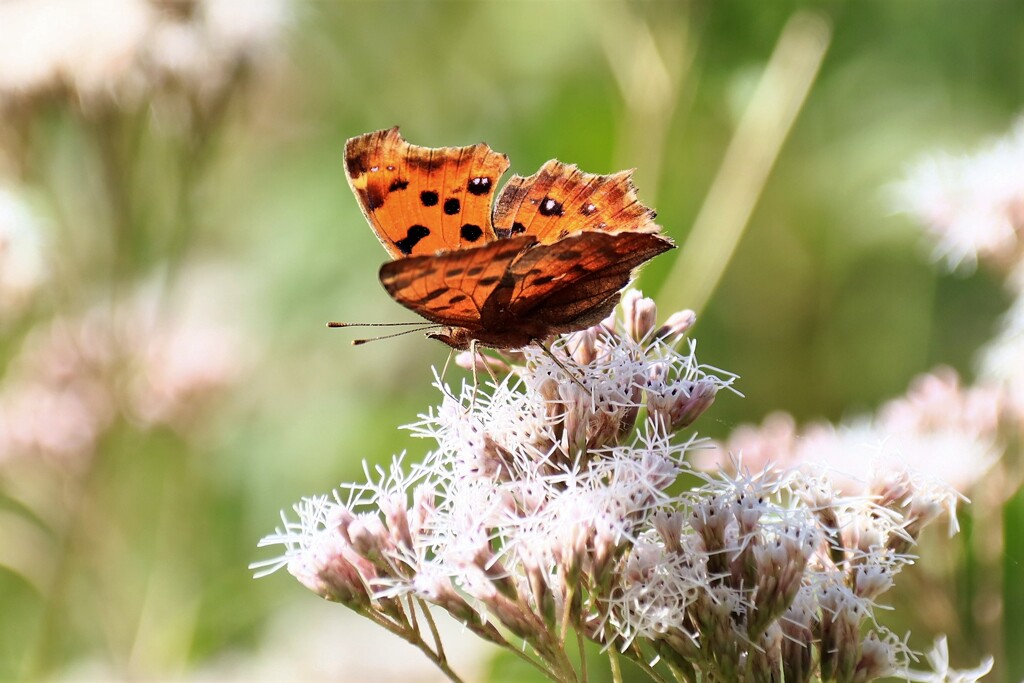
column 678, row 674
column 425, row 608
column 566, row 615
column 412, row 637
column 550, row 673
column 411, row 609
column 581, row 644
column 749, row 159
column 649, row 670
column 616, row 666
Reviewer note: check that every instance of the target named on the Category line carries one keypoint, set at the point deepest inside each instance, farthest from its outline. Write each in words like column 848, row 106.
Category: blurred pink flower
column 939, row 429
column 150, row 363
column 971, row 206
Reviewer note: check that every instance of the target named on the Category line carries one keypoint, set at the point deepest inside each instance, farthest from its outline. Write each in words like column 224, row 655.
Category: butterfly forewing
column 561, row 200
column 421, row 200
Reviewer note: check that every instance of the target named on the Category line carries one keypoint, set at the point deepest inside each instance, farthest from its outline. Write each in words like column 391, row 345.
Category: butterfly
column 551, row 258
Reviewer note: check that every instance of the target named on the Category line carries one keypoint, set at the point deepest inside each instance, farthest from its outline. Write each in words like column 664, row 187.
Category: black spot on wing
column 470, row 232
column 372, row 197
column 479, row 186
column 428, row 198
column 397, row 185
column 474, row 271
column 451, row 206
column 550, row 207
column 355, row 165
column 412, row 236
column 432, row 294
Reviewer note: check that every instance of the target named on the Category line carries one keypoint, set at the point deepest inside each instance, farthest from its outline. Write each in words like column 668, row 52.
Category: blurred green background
column 130, row 562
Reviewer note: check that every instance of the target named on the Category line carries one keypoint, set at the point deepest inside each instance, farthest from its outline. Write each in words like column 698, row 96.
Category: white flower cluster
column 940, row 429
column 972, row 206
column 119, row 50
column 549, row 509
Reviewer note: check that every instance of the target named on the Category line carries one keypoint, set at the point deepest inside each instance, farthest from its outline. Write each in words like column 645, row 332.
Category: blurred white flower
column 938, row 659
column 22, row 261
column 203, row 51
column 120, row 50
column 1002, row 359
column 972, row 206
column 88, row 45
column 940, row 430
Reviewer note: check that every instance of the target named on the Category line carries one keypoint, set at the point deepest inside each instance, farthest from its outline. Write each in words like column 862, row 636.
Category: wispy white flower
column 547, row 507
column 90, row 46
column 941, row 672
column 940, row 429
column 972, row 205
column 122, row 51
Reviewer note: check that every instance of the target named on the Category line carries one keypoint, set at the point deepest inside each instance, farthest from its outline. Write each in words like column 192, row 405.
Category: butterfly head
column 461, row 338
column 458, row 338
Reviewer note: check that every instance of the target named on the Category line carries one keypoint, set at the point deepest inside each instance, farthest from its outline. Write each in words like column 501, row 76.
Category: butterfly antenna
column 544, row 347
column 337, row 324
column 359, row 342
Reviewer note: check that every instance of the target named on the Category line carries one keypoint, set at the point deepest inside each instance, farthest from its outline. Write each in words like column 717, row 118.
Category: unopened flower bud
column 640, row 314
column 678, row 324
column 582, row 346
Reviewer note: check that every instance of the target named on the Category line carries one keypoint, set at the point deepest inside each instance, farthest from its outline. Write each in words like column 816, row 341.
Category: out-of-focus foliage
column 175, row 228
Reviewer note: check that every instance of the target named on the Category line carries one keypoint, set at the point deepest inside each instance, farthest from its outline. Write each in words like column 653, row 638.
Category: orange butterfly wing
column 421, row 200
column 575, row 282
column 570, row 240
column 560, row 200
column 453, row 287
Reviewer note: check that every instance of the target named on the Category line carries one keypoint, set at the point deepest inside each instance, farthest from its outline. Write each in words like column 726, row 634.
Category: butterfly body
column 552, row 258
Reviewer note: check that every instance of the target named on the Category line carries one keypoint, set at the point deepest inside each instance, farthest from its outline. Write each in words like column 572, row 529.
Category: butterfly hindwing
column 452, row 288
column 575, row 282
column 560, row 200
column 421, row 200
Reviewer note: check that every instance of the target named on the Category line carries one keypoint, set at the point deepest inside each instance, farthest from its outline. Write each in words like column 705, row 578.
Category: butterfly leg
column 547, row 351
column 447, row 362
column 476, row 380
column 487, row 367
